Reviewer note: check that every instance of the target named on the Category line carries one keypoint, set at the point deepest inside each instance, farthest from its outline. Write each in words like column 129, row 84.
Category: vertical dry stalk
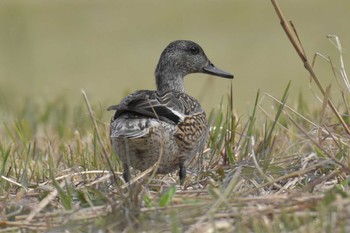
column 294, row 39
column 105, row 153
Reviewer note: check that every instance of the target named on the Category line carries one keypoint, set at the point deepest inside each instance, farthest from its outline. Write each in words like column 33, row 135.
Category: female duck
column 166, row 122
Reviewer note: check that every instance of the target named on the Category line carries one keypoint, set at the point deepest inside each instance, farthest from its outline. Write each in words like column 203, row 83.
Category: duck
column 165, row 123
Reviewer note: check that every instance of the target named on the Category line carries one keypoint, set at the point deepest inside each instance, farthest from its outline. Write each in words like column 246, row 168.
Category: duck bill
column 213, row 70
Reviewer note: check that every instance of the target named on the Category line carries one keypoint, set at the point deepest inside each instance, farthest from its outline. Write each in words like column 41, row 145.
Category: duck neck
column 168, row 82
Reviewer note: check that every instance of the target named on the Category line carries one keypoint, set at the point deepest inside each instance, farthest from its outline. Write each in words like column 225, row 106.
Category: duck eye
column 194, row 50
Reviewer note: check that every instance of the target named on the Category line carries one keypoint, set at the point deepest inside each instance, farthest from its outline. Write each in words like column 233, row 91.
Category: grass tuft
column 282, row 168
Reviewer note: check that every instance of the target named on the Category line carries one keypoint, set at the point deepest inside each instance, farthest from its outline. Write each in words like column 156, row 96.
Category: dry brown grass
column 282, row 169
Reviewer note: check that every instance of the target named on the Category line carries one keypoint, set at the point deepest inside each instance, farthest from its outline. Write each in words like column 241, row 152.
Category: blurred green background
column 109, row 48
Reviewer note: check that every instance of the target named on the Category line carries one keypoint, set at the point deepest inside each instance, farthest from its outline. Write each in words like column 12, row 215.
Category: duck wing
column 170, row 107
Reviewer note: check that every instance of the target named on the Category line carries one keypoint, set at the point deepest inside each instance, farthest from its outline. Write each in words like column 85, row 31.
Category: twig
column 332, row 157
column 295, row 40
column 287, row 176
column 13, row 182
column 44, row 202
column 337, row 44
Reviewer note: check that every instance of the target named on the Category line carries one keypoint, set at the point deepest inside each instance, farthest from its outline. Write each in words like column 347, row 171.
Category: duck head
column 180, row 58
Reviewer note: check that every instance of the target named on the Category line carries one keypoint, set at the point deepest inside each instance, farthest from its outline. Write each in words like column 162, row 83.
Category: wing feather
column 170, row 107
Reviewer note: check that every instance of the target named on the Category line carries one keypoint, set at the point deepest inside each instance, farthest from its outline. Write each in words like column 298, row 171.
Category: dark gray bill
column 213, row 70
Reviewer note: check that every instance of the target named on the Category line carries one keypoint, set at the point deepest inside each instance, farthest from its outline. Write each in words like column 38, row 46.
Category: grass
column 281, row 169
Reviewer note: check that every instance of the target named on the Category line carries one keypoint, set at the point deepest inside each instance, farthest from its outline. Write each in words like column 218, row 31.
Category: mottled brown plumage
column 147, row 120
